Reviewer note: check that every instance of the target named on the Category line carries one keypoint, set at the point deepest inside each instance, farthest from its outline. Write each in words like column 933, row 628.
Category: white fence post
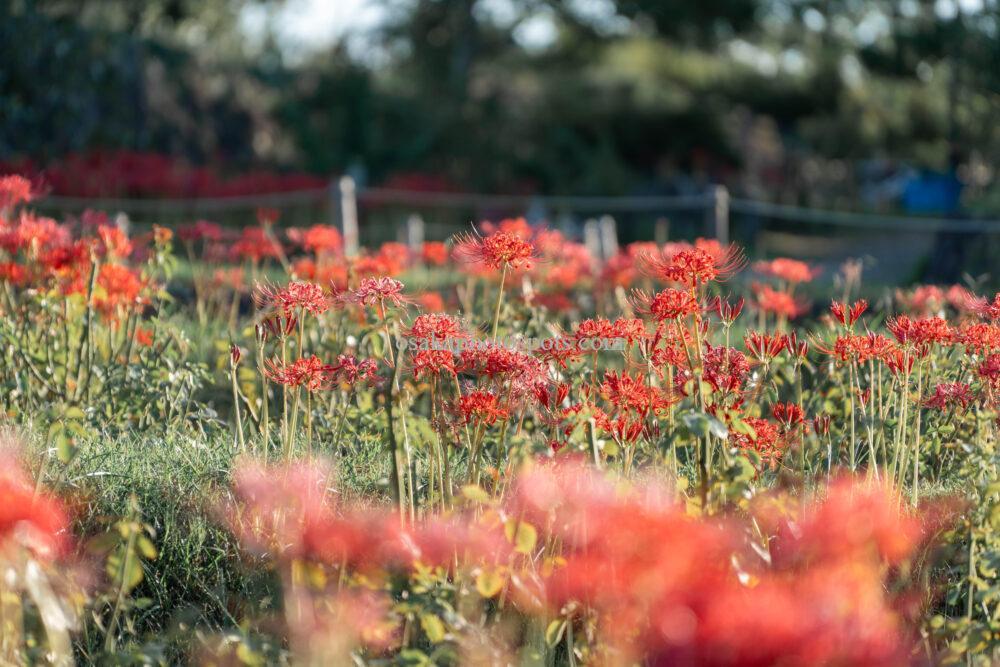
column 346, row 192
column 592, row 238
column 717, row 215
column 661, row 231
column 415, row 232
column 609, row 237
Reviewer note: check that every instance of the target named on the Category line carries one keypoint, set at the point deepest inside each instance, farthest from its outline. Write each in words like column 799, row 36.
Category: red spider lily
column 859, row 348
column 276, row 326
column 958, row 297
column 436, row 327
column 13, row 273
column 231, row 278
column 769, row 300
column 797, row 348
column 789, row 270
column 697, row 265
column 989, row 370
column 483, row 406
column 765, row 347
column 766, row 440
column 922, row 300
column 201, row 230
column 318, row 239
column 34, row 521
column 790, row 415
column 496, row 251
column 899, row 362
column 848, row 316
column 14, row 190
column 551, row 397
column 429, row 363
column 431, row 302
column 517, row 227
column 948, row 395
column 979, row 337
column 235, row 354
column 255, row 244
column 114, row 242
column 267, row 216
column 434, row 253
column 631, row 393
column 144, row 337
column 624, row 428
column 33, row 233
column 726, row 369
column 118, row 287
column 349, row 371
column 921, row 332
column 379, row 291
column 309, row 372
column 984, row 307
column 620, row 270
column 727, row 312
column 670, row 304
column 821, row 424
column 293, row 297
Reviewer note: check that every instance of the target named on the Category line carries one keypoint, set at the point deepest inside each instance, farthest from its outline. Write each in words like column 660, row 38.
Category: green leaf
column 522, row 535
column 489, row 583
column 433, row 628
column 554, row 633
column 475, row 493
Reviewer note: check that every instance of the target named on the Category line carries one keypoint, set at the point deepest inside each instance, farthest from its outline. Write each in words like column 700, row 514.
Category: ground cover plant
column 242, row 447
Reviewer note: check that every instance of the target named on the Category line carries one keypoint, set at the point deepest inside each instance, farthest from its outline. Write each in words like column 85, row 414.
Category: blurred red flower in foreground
column 37, row 522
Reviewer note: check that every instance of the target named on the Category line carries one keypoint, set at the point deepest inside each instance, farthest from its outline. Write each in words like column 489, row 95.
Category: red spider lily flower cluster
column 496, row 251
column 309, row 372
column 848, row 316
column 483, row 406
column 698, row 265
column 255, row 244
column 765, row 347
column 788, row 270
column 727, row 312
column 434, row 253
column 950, row 395
column 292, row 298
column 670, row 304
column 378, row 291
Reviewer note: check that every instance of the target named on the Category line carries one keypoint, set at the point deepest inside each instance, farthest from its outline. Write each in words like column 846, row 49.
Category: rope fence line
column 342, row 200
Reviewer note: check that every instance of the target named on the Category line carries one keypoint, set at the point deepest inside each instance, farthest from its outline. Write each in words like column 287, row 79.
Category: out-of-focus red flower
column 255, row 244
column 986, row 309
column 782, row 304
column 144, row 337
column 431, row 302
column 434, row 253
column 200, row 230
column 789, row 270
column 319, row 239
column 37, row 522
column 14, row 190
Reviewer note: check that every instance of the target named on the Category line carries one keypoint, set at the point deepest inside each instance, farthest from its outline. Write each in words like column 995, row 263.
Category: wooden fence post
column 415, row 232
column 345, row 194
column 717, row 214
column 609, row 237
column 661, row 231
